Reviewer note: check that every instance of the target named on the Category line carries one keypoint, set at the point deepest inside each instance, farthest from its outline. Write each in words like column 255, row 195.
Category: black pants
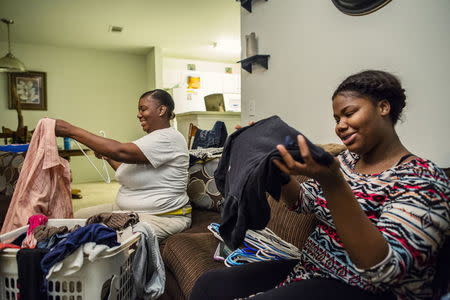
column 242, row 281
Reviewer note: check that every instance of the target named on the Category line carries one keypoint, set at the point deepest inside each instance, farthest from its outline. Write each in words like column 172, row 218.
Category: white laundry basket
column 85, row 284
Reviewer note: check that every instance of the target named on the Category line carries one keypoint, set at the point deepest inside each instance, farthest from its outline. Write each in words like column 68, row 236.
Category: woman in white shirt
column 152, row 171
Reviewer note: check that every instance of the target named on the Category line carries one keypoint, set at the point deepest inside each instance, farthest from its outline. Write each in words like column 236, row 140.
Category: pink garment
column 33, row 222
column 43, row 186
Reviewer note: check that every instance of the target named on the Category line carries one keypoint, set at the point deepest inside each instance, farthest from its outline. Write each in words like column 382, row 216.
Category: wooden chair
column 191, row 134
column 21, row 136
column 7, row 134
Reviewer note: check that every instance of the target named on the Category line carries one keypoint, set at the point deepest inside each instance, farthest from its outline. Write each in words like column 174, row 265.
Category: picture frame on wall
column 30, row 88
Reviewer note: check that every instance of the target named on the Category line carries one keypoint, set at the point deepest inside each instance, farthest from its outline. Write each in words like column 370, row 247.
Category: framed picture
column 30, row 88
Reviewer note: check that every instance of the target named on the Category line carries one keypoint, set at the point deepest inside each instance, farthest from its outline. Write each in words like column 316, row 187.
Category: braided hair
column 376, row 86
column 164, row 98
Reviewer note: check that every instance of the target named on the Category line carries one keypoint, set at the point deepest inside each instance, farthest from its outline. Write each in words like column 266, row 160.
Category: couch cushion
column 290, row 226
column 188, row 256
column 201, row 219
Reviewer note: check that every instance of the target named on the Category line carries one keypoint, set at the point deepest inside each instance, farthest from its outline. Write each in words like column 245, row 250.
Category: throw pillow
column 201, row 189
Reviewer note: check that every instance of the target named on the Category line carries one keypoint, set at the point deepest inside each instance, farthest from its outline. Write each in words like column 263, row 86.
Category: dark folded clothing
column 18, row 240
column 246, row 172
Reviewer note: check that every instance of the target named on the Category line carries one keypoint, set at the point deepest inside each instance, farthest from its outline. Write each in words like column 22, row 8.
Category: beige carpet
column 95, row 193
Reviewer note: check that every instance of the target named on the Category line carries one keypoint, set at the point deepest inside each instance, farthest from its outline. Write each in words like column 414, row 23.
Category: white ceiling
column 182, row 28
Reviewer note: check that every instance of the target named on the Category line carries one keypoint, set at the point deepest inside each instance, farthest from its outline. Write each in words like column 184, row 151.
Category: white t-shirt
column 159, row 186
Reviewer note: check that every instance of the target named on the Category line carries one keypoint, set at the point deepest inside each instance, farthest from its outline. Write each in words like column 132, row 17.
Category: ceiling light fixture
column 9, row 63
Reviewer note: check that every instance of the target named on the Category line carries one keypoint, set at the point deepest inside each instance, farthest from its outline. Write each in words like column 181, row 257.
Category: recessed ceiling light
column 115, row 29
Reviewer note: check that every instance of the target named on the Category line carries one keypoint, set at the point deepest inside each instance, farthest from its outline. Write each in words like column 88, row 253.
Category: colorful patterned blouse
column 409, row 204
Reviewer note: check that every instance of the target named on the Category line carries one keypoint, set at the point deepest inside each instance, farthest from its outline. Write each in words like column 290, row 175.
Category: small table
column 73, row 152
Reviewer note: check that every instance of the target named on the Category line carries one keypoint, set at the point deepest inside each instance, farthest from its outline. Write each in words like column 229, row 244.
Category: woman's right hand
column 62, row 128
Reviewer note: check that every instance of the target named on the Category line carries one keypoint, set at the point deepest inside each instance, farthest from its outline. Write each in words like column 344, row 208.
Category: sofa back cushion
column 201, row 188
column 290, row 226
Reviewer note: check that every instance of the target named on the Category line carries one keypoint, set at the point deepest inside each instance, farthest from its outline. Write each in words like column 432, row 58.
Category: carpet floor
column 95, row 193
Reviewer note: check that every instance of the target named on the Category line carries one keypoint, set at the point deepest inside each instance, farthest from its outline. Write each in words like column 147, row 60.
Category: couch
column 189, row 254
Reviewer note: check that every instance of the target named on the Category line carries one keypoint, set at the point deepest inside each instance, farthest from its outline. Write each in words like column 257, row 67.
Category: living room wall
column 96, row 90
column 313, row 47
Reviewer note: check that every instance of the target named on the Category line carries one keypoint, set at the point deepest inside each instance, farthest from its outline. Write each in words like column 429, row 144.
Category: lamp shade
column 9, row 63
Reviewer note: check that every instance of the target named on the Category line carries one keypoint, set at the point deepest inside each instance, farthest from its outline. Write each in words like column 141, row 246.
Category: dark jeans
column 242, row 281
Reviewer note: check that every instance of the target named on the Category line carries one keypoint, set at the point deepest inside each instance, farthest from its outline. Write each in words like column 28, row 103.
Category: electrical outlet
column 251, row 108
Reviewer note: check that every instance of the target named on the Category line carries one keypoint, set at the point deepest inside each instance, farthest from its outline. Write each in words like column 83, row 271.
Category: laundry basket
column 85, row 284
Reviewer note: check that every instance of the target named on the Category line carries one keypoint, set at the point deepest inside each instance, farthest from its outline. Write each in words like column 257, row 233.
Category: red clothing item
column 4, row 246
column 43, row 186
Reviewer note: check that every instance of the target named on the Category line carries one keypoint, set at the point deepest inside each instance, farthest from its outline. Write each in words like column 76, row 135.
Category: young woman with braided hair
column 383, row 212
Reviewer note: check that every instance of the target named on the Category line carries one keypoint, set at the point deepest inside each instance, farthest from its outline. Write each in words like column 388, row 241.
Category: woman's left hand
column 309, row 167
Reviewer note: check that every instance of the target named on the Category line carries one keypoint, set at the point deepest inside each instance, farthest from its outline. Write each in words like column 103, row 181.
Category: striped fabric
column 188, row 256
column 281, row 223
column 409, row 204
